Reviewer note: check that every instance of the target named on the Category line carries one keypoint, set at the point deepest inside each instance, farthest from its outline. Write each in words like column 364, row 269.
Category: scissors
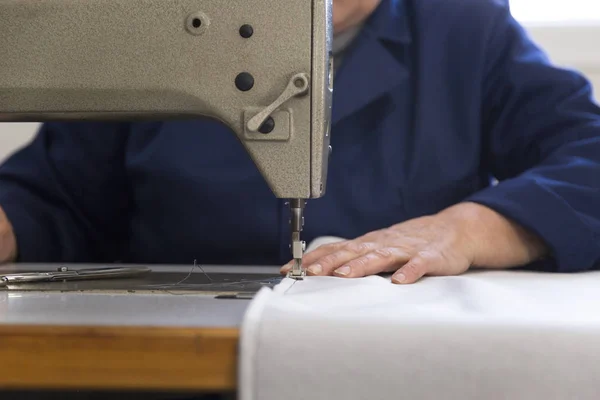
column 65, row 274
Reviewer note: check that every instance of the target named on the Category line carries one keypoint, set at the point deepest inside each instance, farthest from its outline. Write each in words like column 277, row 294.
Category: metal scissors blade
column 65, row 274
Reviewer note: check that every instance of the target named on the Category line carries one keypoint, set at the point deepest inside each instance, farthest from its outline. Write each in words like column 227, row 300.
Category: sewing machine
column 261, row 67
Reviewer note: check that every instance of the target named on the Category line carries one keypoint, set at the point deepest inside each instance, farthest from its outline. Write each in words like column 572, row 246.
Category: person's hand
column 447, row 243
column 8, row 242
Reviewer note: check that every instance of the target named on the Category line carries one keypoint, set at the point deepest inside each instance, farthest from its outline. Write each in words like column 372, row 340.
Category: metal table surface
column 126, row 334
column 126, row 302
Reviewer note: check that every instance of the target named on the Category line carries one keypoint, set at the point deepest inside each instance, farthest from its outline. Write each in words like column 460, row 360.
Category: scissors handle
column 64, row 274
column 105, row 273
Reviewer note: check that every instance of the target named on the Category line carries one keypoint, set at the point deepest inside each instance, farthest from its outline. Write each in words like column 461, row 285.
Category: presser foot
column 297, row 272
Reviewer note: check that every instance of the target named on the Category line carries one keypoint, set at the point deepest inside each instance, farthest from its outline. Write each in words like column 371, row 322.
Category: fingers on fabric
column 387, row 259
column 321, row 251
column 423, row 263
column 338, row 256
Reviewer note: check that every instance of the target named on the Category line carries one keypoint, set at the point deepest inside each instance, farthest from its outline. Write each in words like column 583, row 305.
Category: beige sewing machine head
column 262, row 67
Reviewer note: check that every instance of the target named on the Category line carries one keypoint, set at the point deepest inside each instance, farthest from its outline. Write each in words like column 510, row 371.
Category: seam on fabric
column 253, row 316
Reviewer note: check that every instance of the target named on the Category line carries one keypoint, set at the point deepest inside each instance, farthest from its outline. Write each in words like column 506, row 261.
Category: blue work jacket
column 433, row 99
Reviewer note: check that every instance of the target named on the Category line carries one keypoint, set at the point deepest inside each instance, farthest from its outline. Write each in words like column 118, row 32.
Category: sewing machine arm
column 261, row 67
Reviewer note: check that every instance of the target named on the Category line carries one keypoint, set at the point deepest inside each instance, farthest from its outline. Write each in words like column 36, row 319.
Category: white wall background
column 576, row 47
column 569, row 31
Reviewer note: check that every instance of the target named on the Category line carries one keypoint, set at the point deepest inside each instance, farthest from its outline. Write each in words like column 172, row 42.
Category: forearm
column 496, row 241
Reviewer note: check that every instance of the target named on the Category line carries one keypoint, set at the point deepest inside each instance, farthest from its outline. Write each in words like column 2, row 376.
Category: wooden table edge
column 118, row 358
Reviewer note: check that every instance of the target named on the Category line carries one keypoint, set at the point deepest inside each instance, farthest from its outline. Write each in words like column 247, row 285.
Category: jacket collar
column 372, row 56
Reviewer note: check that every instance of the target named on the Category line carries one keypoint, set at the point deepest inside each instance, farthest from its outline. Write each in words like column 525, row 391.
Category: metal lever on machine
column 297, row 86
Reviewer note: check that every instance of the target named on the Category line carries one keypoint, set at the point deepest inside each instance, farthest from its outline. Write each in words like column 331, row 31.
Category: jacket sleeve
column 542, row 143
column 66, row 193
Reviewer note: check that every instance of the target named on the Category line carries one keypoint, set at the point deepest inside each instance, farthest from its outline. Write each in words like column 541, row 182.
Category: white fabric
column 493, row 335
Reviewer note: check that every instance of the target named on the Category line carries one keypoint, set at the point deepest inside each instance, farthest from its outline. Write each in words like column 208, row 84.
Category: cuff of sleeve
column 32, row 246
column 571, row 241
